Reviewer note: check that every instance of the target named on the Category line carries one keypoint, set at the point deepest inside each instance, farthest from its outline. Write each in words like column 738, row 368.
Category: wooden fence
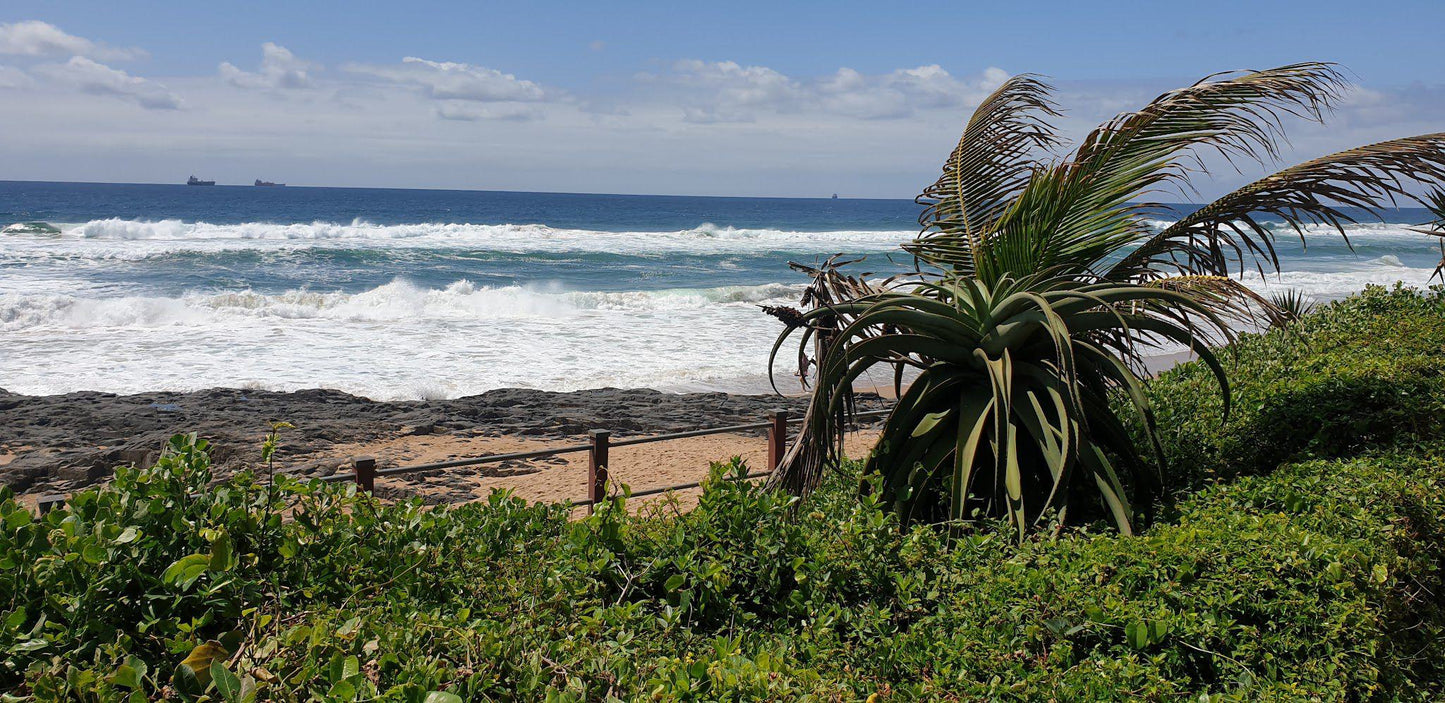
column 599, row 442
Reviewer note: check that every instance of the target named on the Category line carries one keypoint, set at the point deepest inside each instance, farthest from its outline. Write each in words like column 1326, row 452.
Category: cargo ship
column 193, row 181
column 268, row 184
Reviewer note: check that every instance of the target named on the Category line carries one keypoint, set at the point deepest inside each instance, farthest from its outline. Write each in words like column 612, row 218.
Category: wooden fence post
column 597, row 467
column 45, row 504
column 365, row 473
column 777, row 438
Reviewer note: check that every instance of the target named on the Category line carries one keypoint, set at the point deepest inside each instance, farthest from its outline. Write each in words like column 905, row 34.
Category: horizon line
column 440, row 189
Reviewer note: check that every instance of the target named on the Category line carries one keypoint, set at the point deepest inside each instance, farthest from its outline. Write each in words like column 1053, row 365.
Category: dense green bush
column 1316, row 581
column 1359, row 372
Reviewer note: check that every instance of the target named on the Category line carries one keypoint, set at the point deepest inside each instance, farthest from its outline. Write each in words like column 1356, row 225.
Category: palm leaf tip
column 993, row 158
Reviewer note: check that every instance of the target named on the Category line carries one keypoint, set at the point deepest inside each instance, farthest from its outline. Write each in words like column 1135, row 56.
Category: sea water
column 427, row 294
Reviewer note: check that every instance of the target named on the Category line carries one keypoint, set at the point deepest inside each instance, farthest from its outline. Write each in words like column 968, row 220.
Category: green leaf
column 1136, row 633
column 349, row 627
column 127, row 536
column 16, row 519
column 227, row 683
column 186, row 570
column 126, row 676
column 674, row 582
column 1158, row 630
column 342, row 690
column 29, row 646
column 221, row 553
column 442, row 697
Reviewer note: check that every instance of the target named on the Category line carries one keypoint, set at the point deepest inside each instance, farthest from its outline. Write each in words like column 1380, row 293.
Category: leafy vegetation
column 1361, row 372
column 1039, row 283
column 1315, row 581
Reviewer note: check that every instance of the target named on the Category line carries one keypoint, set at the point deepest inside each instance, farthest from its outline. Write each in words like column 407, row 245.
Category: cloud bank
column 36, row 38
column 684, row 126
column 99, row 79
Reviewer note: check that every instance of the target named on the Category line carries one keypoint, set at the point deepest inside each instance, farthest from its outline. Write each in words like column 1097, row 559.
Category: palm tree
column 1037, row 286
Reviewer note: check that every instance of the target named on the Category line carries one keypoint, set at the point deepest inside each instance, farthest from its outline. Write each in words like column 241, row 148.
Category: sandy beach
column 57, row 444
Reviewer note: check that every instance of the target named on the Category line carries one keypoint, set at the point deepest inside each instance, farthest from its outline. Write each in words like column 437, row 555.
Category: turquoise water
column 407, row 293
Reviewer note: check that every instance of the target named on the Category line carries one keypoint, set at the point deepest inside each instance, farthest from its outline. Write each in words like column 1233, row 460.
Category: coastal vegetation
column 1298, row 554
column 1039, row 284
column 1264, row 523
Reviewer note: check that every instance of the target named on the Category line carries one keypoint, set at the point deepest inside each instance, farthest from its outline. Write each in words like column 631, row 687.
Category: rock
column 63, row 435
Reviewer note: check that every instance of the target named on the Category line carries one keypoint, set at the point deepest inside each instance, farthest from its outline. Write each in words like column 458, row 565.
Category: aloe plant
column 1039, row 285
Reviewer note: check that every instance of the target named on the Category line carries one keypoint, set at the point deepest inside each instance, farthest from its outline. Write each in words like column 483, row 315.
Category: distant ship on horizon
column 193, row 181
column 268, row 184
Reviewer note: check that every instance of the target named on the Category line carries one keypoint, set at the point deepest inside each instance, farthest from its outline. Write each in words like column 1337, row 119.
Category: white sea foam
column 394, row 341
column 398, row 301
column 119, row 239
column 76, row 312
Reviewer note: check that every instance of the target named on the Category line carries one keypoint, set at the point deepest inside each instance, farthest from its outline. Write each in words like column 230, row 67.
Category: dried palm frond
column 828, row 289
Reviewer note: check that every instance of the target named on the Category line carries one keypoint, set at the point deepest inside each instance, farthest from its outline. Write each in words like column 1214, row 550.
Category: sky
column 864, row 99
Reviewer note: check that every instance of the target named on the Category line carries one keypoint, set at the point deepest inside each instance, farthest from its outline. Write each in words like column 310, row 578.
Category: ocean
column 404, row 294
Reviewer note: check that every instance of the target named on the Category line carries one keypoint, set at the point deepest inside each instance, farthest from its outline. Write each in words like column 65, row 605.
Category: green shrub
column 1318, row 580
column 1362, row 372
column 1313, row 582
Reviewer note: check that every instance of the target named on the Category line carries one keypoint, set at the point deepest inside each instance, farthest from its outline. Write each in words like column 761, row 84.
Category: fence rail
column 599, row 443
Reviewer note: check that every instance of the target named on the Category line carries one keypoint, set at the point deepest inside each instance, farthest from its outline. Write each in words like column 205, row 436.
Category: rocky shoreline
column 59, row 443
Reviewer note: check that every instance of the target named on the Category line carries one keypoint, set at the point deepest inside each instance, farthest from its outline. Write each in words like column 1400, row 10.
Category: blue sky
column 749, row 98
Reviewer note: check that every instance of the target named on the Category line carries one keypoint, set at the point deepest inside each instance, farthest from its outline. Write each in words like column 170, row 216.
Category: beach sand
column 59, row 444
column 563, row 477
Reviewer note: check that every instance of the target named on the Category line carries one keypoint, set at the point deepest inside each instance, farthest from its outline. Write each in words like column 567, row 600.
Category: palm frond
column 1434, row 201
column 1082, row 211
column 1228, row 299
column 993, row 160
column 1038, row 290
column 1229, row 230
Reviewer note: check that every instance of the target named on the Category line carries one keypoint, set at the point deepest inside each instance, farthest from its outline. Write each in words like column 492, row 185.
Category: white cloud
column 12, row 77
column 98, row 79
column 446, row 80
column 726, row 91
column 36, row 38
column 279, row 69
column 463, row 112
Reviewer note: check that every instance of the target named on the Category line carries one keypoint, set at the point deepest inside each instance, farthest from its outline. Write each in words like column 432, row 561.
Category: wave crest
column 398, row 300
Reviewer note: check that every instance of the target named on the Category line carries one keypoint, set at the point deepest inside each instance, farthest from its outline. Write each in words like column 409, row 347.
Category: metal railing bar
column 690, row 433
column 488, row 459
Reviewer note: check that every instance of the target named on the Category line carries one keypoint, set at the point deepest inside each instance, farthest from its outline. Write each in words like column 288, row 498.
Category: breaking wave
column 398, row 300
column 151, row 237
